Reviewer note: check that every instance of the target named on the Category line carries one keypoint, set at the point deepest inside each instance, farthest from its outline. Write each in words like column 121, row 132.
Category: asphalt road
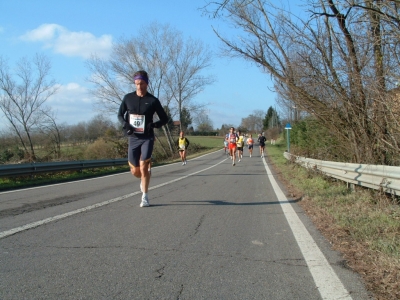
column 214, row 231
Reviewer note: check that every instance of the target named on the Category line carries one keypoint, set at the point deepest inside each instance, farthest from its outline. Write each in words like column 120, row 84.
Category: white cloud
column 44, row 32
column 70, row 94
column 72, row 103
column 69, row 43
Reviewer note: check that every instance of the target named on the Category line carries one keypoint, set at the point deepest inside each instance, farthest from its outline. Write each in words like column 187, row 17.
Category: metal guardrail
column 34, row 168
column 379, row 177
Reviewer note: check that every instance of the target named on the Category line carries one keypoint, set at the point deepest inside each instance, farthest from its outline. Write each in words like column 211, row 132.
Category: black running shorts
column 139, row 149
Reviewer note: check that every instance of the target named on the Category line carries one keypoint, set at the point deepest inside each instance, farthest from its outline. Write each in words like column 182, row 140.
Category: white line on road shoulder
column 325, row 278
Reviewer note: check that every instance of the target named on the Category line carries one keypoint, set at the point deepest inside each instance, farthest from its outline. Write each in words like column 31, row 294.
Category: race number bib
column 137, row 122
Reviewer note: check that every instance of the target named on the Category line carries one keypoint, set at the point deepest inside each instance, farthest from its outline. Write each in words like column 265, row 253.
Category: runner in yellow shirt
column 183, row 144
column 240, row 144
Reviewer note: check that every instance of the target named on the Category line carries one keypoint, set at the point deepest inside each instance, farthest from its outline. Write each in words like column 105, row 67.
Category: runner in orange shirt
column 232, row 138
column 250, row 143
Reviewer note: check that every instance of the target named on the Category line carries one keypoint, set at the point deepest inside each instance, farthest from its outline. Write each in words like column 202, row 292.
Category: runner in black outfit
column 261, row 141
column 136, row 114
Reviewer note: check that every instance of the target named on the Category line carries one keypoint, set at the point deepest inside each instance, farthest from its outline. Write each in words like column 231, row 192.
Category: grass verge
column 363, row 225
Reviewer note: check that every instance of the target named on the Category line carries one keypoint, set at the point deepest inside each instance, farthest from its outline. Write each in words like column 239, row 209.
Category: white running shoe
column 145, row 201
column 250, row 155
column 183, row 163
column 233, row 164
column 239, row 159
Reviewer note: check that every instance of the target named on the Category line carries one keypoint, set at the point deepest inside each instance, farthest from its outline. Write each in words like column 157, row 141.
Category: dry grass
column 363, row 225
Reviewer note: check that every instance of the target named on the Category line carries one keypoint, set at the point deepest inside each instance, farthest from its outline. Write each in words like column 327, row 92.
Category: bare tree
column 97, row 126
column 335, row 64
column 185, row 80
column 53, row 132
column 24, row 93
column 78, row 133
column 203, row 121
column 174, row 68
column 113, row 77
column 253, row 122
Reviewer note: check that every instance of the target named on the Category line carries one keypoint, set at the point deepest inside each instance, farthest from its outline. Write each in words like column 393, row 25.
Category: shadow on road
column 223, row 202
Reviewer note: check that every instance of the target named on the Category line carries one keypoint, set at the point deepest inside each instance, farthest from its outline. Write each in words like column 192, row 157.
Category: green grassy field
column 213, row 142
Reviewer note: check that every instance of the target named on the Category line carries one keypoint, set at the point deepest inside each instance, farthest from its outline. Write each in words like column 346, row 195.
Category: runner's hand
column 128, row 128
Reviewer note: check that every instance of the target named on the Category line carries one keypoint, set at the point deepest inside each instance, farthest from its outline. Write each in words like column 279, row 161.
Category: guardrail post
column 351, row 186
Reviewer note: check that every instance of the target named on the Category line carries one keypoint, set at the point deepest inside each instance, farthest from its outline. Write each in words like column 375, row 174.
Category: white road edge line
column 325, row 278
column 74, row 212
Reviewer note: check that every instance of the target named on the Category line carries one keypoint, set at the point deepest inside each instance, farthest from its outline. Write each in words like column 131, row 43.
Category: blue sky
column 68, row 31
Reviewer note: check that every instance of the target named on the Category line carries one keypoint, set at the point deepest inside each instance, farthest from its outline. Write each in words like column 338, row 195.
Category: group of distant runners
column 234, row 143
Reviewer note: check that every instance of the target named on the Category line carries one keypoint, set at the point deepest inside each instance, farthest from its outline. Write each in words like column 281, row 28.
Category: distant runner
column 240, row 144
column 183, row 144
column 226, row 143
column 250, row 143
column 232, row 137
column 261, row 141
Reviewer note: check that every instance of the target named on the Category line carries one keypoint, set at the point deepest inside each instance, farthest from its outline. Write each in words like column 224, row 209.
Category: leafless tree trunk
column 52, row 131
column 23, row 96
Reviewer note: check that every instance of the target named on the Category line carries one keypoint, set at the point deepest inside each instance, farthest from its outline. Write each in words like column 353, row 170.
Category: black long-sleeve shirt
column 147, row 106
